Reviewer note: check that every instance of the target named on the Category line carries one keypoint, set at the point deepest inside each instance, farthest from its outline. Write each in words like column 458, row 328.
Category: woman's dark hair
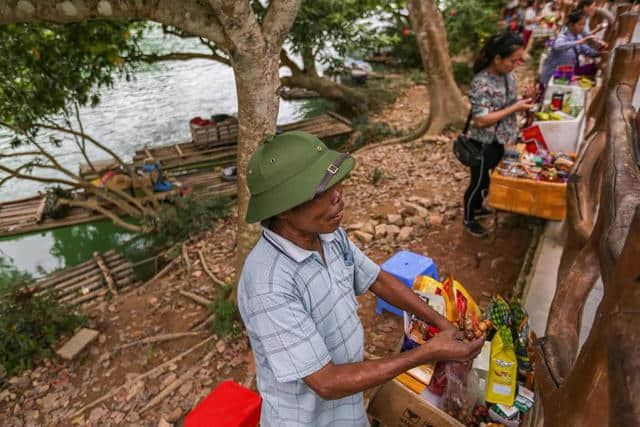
column 502, row 44
column 575, row 16
column 584, row 3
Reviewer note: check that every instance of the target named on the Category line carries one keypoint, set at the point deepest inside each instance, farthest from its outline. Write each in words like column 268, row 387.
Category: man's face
column 322, row 215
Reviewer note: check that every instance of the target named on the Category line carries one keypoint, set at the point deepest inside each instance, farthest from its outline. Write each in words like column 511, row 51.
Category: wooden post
column 604, row 382
column 584, row 183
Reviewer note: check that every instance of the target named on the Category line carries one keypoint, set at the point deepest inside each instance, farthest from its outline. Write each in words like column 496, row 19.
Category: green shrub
column 470, row 22
column 463, row 73
column 29, row 326
column 226, row 322
column 189, row 215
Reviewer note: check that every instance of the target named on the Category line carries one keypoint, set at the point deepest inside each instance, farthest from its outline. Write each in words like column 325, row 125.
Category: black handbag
column 465, row 150
column 468, row 152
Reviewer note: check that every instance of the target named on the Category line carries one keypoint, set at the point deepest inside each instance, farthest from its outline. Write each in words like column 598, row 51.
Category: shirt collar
column 290, row 249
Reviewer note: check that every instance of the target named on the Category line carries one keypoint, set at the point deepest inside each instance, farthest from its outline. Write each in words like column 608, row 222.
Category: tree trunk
column 447, row 106
column 257, row 82
column 345, row 95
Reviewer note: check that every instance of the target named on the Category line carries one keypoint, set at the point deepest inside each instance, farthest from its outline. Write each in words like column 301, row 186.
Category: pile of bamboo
column 106, row 273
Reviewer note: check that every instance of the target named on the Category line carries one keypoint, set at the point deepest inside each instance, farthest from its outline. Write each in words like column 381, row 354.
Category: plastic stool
column 405, row 266
column 229, row 405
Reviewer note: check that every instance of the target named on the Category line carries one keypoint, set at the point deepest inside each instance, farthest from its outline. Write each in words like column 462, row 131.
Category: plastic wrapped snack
column 461, row 391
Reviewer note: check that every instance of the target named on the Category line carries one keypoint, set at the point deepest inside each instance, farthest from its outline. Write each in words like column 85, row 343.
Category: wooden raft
column 108, row 272
column 26, row 215
column 191, row 155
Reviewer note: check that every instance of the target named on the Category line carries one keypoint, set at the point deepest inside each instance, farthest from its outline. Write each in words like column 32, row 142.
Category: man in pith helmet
column 297, row 292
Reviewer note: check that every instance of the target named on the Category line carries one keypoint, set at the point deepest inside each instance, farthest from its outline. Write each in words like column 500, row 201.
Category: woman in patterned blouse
column 493, row 106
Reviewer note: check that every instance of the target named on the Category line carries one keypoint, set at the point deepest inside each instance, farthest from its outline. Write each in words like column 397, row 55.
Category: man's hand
column 448, row 345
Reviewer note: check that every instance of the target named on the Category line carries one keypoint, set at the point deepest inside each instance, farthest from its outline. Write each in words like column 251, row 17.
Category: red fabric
column 229, row 405
column 526, row 35
column 534, row 133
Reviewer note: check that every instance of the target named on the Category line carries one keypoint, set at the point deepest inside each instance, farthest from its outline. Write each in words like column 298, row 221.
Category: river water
column 152, row 109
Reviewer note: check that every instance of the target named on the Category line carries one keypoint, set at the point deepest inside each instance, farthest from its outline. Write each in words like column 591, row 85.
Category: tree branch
column 88, row 137
column 20, row 154
column 83, row 147
column 193, row 16
column 104, row 211
column 239, row 25
column 181, row 56
column 286, row 61
column 279, row 19
column 16, row 174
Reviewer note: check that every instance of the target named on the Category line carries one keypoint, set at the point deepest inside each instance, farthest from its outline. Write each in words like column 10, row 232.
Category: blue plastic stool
column 405, row 266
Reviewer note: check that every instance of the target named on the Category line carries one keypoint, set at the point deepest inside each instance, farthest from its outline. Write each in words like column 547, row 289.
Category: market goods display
column 493, row 391
column 538, row 165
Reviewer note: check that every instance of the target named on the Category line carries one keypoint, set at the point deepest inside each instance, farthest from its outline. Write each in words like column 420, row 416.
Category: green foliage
column 396, row 37
column 189, row 215
column 470, row 22
column 29, row 326
column 46, row 68
column 377, row 176
column 463, row 73
column 9, row 274
column 226, row 322
column 333, row 29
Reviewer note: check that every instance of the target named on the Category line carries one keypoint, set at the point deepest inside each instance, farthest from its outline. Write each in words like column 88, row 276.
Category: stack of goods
column 575, row 76
column 534, row 161
column 560, row 105
column 495, row 387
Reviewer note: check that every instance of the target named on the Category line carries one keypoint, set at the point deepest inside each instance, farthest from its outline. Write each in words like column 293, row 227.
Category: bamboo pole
column 108, row 278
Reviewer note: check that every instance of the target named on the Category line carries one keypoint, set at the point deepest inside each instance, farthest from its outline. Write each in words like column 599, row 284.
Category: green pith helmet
column 288, row 170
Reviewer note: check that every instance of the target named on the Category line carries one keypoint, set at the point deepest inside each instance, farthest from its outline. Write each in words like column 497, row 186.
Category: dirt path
column 385, row 180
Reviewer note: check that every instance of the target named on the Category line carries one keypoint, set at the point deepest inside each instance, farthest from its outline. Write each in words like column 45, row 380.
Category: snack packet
column 501, row 382
column 427, row 284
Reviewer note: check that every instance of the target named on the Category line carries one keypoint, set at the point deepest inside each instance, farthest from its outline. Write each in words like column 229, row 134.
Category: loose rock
column 405, row 234
column 394, row 219
column 363, row 237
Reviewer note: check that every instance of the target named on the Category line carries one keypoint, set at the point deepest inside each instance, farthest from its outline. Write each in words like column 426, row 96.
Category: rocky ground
column 398, row 197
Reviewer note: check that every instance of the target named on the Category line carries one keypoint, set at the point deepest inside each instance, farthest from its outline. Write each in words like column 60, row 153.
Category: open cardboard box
column 395, row 405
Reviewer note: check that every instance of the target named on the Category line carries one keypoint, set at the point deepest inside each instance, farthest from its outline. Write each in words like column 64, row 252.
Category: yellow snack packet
column 429, row 285
column 503, row 368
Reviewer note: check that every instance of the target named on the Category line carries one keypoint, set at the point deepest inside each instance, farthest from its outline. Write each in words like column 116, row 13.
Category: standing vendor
column 297, row 292
column 494, row 105
column 568, row 46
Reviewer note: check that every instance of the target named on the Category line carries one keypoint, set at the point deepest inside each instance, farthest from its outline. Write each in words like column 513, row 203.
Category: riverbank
column 422, row 172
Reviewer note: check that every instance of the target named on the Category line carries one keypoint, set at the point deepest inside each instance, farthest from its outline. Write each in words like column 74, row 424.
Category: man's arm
column 337, row 381
column 397, row 294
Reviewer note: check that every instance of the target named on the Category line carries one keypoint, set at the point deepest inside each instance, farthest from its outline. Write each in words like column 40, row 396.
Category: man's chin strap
column 331, row 171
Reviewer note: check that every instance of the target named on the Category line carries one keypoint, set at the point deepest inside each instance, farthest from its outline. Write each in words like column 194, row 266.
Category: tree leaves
column 47, row 67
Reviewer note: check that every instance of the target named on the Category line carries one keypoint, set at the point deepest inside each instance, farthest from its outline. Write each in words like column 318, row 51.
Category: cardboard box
column 394, row 405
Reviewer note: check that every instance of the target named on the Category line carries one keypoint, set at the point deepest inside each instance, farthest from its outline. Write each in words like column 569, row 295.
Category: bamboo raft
column 191, row 155
column 108, row 272
column 193, row 165
column 25, row 215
